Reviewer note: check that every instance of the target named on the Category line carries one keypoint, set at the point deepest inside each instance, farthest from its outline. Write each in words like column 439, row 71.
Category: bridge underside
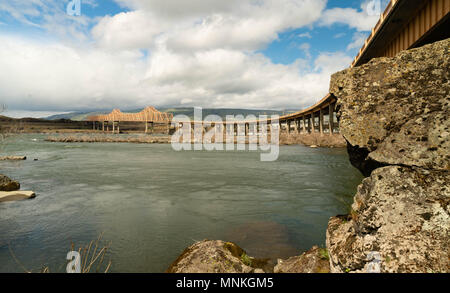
column 406, row 24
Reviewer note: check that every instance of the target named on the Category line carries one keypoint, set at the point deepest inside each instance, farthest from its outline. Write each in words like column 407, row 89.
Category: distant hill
column 80, row 116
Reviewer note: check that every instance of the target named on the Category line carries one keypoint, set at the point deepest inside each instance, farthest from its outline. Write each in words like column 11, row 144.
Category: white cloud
column 197, row 53
column 305, row 47
column 49, row 15
column 358, row 40
column 205, row 25
column 305, row 35
column 361, row 20
column 39, row 75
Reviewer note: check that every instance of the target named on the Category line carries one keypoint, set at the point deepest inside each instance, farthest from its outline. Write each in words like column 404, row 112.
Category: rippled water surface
column 151, row 202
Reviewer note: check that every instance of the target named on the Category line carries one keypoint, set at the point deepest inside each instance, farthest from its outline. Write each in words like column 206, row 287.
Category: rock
column 394, row 111
column 16, row 195
column 313, row 146
column 12, row 158
column 6, row 184
column 315, row 260
column 215, row 256
column 400, row 213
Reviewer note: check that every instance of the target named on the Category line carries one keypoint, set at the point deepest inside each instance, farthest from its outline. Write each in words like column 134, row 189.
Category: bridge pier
column 331, row 118
column 304, row 124
column 321, row 121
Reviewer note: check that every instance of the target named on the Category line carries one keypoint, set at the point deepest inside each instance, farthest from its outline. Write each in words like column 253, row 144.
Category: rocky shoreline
column 9, row 190
column 393, row 114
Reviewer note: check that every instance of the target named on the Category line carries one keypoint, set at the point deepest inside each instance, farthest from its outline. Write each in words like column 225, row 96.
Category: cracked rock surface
column 396, row 110
column 395, row 115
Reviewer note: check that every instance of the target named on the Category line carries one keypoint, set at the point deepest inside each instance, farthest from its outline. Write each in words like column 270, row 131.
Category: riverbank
column 105, row 138
column 315, row 140
column 319, row 140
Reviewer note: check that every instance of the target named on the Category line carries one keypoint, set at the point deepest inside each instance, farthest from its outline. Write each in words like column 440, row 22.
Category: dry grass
column 92, row 257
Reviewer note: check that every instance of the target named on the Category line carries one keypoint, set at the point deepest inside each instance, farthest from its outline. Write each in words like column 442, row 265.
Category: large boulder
column 16, row 195
column 394, row 114
column 395, row 111
column 399, row 213
column 216, row 256
column 6, row 184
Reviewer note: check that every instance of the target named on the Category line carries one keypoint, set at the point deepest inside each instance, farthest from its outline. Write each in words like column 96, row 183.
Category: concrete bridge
column 403, row 25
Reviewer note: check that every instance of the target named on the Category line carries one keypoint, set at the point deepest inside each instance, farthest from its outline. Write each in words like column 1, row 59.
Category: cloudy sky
column 255, row 54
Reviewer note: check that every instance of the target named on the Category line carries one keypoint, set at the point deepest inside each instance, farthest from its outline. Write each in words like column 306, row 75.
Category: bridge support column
column 304, row 124
column 103, row 126
column 331, row 118
column 321, row 121
column 312, row 130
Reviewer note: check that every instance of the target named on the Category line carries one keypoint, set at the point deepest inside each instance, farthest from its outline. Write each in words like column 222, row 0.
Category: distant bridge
column 404, row 24
column 149, row 116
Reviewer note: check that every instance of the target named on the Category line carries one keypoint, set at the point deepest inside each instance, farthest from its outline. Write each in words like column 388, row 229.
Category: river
column 151, row 202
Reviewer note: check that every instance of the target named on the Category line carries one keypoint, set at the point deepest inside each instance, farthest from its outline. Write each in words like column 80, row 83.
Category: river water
column 151, row 202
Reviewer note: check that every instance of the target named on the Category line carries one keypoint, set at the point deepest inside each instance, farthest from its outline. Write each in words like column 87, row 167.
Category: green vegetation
column 323, row 253
column 247, row 260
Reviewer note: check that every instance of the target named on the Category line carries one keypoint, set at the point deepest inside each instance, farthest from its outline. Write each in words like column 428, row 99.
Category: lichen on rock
column 397, row 109
column 394, row 114
column 403, row 214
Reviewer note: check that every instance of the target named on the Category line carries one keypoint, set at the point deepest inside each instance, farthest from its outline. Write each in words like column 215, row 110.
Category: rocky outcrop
column 315, row 260
column 12, row 158
column 6, row 184
column 216, row 256
column 393, row 112
column 16, row 195
column 402, row 214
